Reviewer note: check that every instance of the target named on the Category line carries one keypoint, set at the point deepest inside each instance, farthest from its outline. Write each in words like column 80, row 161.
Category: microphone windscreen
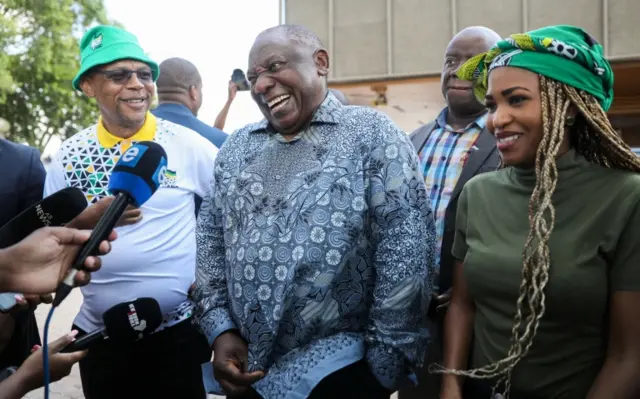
column 139, row 171
column 57, row 209
column 130, row 321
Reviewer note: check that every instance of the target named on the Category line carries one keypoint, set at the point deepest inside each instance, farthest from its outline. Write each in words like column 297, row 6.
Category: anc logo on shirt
column 169, row 179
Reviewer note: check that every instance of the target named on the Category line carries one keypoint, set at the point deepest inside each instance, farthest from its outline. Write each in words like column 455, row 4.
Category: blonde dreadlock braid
column 598, row 142
column 536, row 260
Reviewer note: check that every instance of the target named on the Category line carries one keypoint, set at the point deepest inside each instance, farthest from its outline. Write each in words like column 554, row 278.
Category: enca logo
column 131, row 154
column 162, row 175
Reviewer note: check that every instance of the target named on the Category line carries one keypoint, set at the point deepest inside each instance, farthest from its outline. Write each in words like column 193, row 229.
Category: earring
column 570, row 120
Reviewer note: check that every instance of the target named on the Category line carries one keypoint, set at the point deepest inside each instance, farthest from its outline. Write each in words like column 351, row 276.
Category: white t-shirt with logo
column 156, row 257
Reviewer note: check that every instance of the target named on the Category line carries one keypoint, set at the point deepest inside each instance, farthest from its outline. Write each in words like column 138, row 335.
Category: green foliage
column 39, row 56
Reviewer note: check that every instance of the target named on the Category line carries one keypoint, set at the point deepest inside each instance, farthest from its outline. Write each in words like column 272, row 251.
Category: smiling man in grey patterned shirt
column 315, row 246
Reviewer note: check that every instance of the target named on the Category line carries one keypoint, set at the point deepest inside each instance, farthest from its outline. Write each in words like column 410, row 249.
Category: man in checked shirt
column 452, row 149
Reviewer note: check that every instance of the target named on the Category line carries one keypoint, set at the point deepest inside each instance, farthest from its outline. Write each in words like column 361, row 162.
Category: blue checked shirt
column 442, row 159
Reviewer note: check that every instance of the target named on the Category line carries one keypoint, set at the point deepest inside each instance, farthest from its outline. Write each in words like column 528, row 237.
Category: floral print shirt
column 318, row 250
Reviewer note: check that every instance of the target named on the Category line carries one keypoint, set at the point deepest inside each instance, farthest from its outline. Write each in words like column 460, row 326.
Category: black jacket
column 21, row 186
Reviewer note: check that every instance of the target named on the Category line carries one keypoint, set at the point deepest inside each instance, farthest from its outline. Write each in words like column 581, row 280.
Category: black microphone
column 137, row 175
column 124, row 323
column 57, row 209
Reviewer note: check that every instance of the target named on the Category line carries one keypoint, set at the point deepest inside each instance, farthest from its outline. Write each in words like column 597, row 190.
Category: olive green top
column 595, row 251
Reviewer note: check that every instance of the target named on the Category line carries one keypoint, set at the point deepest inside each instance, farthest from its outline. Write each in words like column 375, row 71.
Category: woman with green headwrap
column 548, row 275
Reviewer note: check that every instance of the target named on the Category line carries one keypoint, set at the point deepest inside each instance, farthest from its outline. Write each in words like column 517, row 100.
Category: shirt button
column 278, row 177
column 443, row 158
column 255, row 362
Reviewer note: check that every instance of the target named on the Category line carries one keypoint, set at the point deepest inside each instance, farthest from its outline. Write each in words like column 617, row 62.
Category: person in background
column 316, row 240
column 155, row 256
column 546, row 277
column 179, row 88
column 221, row 119
column 180, row 98
column 46, row 161
column 453, row 148
column 22, row 186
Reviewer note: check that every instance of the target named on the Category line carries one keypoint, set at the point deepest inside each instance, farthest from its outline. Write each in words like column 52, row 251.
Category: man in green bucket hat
column 156, row 255
column 103, row 45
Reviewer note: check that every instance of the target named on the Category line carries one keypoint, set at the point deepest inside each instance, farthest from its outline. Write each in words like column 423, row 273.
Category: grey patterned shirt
column 318, row 250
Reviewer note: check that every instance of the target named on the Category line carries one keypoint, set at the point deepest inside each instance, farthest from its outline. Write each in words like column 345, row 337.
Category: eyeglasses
column 122, row 76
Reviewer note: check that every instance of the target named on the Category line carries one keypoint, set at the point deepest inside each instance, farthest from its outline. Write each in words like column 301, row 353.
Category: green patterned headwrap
column 564, row 53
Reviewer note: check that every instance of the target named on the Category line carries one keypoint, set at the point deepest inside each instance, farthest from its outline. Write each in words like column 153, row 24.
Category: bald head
column 297, row 34
column 177, row 74
column 467, row 43
column 180, row 82
column 481, row 34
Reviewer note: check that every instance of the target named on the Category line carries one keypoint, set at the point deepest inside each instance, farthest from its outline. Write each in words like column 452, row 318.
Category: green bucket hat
column 104, row 44
column 564, row 53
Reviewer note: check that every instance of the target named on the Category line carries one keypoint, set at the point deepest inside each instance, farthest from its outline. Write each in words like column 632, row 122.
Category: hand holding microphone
column 30, row 375
column 91, row 216
column 28, row 266
column 38, row 263
column 135, row 178
column 124, row 323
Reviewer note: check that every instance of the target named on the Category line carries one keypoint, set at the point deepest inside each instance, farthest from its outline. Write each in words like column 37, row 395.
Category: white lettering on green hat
column 96, row 42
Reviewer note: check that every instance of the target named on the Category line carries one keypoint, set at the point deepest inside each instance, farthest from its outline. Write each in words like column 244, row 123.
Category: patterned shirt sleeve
column 211, row 295
column 403, row 232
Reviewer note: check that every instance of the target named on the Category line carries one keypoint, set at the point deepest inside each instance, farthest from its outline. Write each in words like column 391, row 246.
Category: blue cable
column 45, row 353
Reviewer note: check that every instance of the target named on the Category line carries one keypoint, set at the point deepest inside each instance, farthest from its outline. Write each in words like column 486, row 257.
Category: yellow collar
column 146, row 133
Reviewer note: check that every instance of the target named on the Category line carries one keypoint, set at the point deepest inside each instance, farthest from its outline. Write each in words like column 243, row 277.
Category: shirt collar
column 326, row 113
column 479, row 123
column 175, row 108
column 146, row 133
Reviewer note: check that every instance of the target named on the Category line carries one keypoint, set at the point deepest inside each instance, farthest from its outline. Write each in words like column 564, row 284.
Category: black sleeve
column 34, row 182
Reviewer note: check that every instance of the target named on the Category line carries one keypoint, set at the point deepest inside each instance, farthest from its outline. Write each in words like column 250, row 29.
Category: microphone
column 57, row 209
column 135, row 177
column 124, row 323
